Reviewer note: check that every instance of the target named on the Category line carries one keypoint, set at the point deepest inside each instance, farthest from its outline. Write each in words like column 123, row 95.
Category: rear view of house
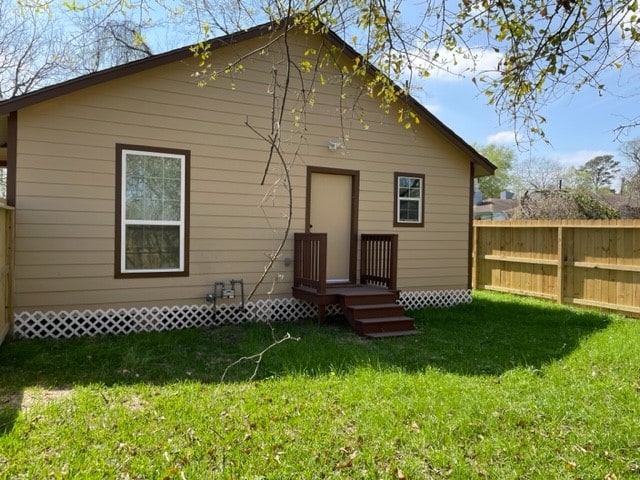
column 139, row 193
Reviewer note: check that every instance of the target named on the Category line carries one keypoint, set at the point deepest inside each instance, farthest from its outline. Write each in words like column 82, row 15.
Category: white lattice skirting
column 122, row 321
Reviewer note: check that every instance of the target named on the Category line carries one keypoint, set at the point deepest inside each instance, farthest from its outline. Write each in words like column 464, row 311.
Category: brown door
column 331, row 211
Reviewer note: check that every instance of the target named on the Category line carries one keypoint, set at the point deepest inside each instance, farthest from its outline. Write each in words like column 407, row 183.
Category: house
column 494, row 208
column 138, row 194
column 626, row 204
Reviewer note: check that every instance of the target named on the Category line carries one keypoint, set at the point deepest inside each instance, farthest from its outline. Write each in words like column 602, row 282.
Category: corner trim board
column 12, row 158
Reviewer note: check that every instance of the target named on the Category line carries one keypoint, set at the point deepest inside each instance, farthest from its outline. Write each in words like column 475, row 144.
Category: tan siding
column 44, row 258
column 52, row 190
column 40, row 177
column 63, row 231
column 51, row 217
column 43, row 204
column 55, row 245
column 66, row 186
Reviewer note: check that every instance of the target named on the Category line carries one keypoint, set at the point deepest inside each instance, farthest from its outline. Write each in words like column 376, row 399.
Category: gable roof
column 494, row 205
column 482, row 164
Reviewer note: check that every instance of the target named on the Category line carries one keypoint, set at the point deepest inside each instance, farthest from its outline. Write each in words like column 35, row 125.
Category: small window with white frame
column 152, row 211
column 409, row 200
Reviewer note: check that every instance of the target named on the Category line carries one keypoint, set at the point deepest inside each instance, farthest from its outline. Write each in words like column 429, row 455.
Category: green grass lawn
column 503, row 388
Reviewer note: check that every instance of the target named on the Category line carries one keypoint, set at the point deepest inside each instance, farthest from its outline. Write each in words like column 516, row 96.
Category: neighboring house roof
column 627, row 205
column 495, row 205
column 483, row 166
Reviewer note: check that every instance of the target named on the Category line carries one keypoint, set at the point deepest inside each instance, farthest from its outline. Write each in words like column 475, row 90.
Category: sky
column 580, row 125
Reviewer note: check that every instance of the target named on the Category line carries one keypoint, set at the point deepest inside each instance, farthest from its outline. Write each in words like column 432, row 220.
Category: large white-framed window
column 152, row 210
column 409, row 200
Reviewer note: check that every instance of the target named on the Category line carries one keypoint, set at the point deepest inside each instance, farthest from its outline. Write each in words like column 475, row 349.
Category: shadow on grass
column 494, row 334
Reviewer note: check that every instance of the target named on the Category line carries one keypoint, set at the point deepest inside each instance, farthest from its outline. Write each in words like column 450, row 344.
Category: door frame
column 355, row 199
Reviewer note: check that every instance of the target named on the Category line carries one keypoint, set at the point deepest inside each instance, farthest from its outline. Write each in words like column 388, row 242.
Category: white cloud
column 426, row 99
column 579, row 157
column 506, row 137
column 433, row 108
column 445, row 65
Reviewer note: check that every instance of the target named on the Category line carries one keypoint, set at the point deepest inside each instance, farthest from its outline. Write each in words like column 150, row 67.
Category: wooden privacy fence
column 594, row 263
column 6, row 269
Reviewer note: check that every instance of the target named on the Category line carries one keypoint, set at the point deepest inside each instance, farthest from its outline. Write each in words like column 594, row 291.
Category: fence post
column 474, row 253
column 560, row 271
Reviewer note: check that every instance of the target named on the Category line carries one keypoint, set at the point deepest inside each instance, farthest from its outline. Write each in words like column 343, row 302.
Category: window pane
column 135, row 209
column 414, row 191
column 171, row 200
column 153, row 166
column 171, row 211
column 404, row 181
column 152, row 247
column 152, row 208
column 409, row 187
column 153, row 187
column 172, row 168
column 409, row 211
column 3, row 182
column 135, row 198
column 135, row 165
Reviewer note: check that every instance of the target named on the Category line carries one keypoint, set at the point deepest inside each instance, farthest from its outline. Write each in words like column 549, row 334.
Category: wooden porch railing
column 379, row 260
column 310, row 261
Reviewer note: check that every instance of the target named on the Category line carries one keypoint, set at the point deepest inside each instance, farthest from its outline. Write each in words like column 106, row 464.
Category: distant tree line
column 546, row 190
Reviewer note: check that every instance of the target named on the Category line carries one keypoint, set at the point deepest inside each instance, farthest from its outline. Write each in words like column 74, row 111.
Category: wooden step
column 389, row 324
column 369, row 299
column 358, row 312
column 374, row 312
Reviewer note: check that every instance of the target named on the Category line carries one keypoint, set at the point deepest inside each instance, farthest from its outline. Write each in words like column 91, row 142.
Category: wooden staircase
column 375, row 313
column 371, row 305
